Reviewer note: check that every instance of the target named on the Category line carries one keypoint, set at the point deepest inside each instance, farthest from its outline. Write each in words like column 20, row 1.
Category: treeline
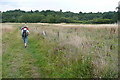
column 49, row 16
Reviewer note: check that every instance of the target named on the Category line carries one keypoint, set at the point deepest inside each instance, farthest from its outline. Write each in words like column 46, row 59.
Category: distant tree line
column 49, row 16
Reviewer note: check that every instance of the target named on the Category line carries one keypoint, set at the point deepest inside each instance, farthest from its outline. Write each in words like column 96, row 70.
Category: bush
column 101, row 21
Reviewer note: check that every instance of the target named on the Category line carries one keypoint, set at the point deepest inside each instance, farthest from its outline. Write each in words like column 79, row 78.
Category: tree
column 50, row 16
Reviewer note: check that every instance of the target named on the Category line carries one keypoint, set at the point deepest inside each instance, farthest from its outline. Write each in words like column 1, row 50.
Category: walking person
column 25, row 33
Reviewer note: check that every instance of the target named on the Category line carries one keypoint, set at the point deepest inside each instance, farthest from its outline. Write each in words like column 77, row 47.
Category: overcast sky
column 65, row 5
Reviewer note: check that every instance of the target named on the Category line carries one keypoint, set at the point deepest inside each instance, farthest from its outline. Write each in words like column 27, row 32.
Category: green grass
column 17, row 62
column 57, row 65
column 50, row 57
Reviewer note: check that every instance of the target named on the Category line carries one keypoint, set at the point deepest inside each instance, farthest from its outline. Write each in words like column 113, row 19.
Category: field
column 60, row 51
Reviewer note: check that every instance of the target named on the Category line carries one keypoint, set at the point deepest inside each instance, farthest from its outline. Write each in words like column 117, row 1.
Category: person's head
column 25, row 25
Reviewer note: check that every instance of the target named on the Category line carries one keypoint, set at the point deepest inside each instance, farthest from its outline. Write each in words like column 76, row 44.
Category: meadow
column 60, row 51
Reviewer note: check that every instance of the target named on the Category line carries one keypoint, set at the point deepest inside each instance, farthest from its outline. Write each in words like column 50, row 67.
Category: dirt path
column 17, row 61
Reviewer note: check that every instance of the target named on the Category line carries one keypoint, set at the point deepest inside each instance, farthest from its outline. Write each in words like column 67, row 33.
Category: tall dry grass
column 96, row 41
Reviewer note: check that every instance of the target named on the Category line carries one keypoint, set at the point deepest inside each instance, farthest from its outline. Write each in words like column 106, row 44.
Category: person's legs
column 25, row 41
